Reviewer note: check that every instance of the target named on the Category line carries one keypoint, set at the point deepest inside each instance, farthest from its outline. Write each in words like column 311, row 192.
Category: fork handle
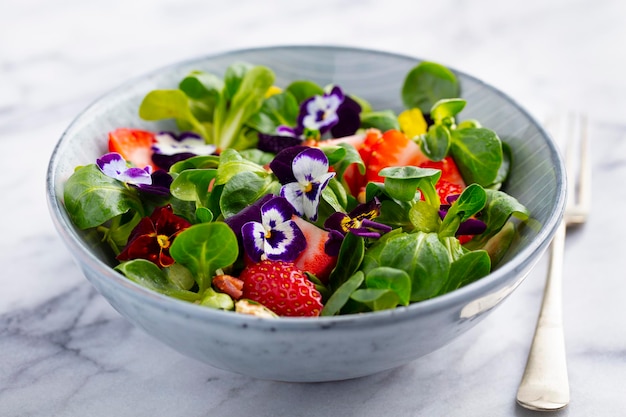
column 545, row 385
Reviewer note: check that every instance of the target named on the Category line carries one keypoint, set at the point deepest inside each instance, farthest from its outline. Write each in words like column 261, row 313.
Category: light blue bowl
column 329, row 348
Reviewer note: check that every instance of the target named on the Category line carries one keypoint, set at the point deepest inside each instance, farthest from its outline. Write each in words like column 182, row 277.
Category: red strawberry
column 380, row 150
column 282, row 287
column 314, row 259
column 134, row 145
column 449, row 171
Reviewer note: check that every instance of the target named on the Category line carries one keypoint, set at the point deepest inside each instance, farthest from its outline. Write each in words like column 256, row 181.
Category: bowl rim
column 160, row 301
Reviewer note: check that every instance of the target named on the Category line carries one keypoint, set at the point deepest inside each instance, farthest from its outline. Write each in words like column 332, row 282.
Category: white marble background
column 65, row 352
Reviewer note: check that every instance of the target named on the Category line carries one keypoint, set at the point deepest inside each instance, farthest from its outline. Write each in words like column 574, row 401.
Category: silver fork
column 545, row 385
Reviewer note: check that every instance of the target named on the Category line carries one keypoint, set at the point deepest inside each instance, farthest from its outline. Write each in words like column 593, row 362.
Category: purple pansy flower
column 332, row 112
column 170, row 148
column 276, row 237
column 468, row 227
column 319, row 113
column 115, row 166
column 310, row 172
column 359, row 221
column 160, row 186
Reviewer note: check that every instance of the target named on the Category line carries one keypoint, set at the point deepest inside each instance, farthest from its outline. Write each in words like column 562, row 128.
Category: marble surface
column 65, row 352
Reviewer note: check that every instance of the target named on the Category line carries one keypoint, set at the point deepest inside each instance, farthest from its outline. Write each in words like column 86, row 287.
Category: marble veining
column 64, row 351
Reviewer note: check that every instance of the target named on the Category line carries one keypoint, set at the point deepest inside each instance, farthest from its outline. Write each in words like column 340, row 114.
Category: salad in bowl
column 300, row 199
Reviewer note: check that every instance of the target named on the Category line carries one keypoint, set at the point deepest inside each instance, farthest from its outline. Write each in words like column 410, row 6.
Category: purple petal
column 471, row 227
column 160, row 186
column 369, row 210
column 309, row 164
column 320, row 112
column 276, row 211
column 333, row 244
column 452, row 198
column 251, row 213
column 189, row 135
column 282, row 163
column 285, row 242
column 170, row 148
column 136, row 176
column 336, row 222
column 349, row 115
column 310, row 201
column 276, row 143
column 370, row 224
column 112, row 164
column 166, row 161
column 293, row 193
column 253, row 234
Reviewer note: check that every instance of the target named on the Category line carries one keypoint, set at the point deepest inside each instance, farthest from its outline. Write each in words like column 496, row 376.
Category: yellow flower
column 412, row 122
column 273, row 90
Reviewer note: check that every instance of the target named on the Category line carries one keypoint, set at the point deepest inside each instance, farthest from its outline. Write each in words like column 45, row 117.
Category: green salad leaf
column 92, row 198
column 196, row 249
column 428, row 83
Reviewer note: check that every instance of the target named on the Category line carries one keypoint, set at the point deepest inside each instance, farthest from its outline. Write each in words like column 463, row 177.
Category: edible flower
column 152, row 237
column 115, row 166
column 309, row 172
column 359, row 221
column 332, row 112
column 276, row 237
column 170, row 148
column 160, row 185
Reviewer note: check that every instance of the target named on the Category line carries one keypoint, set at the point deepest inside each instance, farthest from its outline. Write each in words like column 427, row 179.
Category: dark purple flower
column 276, row 237
column 160, row 186
column 349, row 113
column 277, row 143
column 331, row 112
column 359, row 221
column 170, row 148
column 310, row 171
column 319, row 113
column 282, row 163
column 334, row 112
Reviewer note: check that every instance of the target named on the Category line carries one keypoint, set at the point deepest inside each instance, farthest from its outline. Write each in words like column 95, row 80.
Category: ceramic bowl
column 327, row 348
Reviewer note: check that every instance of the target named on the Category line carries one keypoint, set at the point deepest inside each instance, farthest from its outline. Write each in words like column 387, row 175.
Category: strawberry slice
column 380, row 150
column 391, row 149
column 281, row 287
column 314, row 259
column 449, row 171
column 134, row 145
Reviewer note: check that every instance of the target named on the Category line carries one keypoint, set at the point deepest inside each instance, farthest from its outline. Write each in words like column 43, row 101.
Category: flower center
column 308, row 187
column 164, row 241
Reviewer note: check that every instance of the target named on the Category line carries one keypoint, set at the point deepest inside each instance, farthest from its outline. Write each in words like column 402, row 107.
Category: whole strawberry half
column 281, row 287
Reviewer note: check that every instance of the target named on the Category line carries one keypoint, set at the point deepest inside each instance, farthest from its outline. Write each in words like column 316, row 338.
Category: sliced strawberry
column 281, row 287
column 392, row 149
column 134, row 145
column 449, row 171
column 380, row 150
column 314, row 259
